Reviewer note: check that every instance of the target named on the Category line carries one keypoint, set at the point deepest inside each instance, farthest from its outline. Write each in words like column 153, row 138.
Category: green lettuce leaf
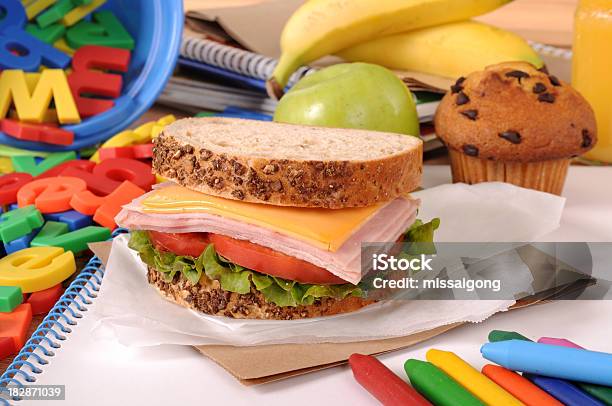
column 422, row 232
column 233, row 277
column 233, row 281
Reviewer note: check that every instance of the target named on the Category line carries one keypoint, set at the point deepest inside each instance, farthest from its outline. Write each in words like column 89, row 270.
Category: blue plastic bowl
column 157, row 26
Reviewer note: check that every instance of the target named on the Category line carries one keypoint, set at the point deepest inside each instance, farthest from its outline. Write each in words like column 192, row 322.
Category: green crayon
column 439, row 388
column 602, row 393
column 501, row 335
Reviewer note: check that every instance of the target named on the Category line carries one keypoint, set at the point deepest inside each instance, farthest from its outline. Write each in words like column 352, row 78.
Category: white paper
column 486, row 212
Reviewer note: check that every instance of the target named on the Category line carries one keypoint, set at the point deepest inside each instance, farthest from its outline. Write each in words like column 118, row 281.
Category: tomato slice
column 266, row 260
column 246, row 254
column 191, row 244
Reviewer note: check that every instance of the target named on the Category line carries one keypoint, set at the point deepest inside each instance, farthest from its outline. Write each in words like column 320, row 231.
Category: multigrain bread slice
column 208, row 297
column 288, row 165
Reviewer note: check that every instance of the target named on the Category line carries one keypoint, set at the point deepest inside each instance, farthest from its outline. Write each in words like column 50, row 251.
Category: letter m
column 31, row 93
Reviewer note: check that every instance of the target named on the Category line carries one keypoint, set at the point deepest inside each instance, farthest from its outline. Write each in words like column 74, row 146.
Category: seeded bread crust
column 512, row 112
column 208, row 297
column 285, row 182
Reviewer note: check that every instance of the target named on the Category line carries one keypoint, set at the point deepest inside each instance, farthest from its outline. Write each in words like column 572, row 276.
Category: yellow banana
column 449, row 50
column 324, row 27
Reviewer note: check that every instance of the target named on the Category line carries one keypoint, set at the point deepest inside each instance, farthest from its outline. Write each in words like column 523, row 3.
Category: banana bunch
column 449, row 50
column 432, row 36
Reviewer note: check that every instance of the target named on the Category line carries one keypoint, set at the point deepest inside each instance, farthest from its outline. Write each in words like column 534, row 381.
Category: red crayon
column 383, row 384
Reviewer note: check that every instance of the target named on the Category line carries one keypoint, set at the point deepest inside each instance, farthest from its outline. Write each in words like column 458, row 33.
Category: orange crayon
column 519, row 387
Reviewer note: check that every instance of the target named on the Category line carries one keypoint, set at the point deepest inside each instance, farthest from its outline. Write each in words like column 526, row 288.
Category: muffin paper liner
column 546, row 176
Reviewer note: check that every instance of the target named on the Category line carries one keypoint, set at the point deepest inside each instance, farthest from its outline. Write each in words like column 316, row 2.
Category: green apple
column 351, row 95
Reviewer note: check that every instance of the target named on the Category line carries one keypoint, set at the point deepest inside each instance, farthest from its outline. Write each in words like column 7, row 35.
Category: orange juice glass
column 592, row 69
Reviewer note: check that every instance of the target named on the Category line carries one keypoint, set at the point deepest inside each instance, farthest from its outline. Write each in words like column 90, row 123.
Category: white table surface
column 179, row 375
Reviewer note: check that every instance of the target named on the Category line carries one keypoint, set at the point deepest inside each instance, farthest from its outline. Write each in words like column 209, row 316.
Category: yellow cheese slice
column 324, row 228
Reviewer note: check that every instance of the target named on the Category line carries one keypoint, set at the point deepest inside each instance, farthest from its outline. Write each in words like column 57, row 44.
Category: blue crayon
column 565, row 392
column 551, row 360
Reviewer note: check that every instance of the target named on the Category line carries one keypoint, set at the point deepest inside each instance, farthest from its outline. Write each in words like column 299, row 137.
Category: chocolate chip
column 519, row 74
column 554, row 80
column 471, row 114
column 512, row 136
column 470, row 150
column 587, row 140
column 539, row 88
column 458, row 86
column 462, row 99
column 546, row 98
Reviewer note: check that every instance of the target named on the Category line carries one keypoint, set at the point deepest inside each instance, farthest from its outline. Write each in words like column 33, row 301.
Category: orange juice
column 592, row 68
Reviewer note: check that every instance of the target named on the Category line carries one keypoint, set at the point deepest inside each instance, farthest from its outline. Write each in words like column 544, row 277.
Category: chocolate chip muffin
column 513, row 123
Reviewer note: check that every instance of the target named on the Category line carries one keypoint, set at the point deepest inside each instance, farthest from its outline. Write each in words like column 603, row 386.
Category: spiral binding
column 234, row 59
column 46, row 337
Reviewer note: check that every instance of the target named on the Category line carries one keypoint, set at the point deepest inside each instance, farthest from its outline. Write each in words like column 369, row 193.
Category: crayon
column 383, row 384
column 501, row 335
column 562, row 342
column 479, row 385
column 520, row 387
column 564, row 391
column 551, row 360
column 602, row 393
column 436, row 386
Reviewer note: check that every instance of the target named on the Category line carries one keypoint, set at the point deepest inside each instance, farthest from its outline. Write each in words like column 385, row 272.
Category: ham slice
column 386, row 225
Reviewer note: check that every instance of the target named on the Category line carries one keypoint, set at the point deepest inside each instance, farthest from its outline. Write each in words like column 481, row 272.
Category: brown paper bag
column 254, row 365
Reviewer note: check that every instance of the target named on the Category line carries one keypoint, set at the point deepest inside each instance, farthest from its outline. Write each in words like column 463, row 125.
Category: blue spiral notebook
column 52, row 331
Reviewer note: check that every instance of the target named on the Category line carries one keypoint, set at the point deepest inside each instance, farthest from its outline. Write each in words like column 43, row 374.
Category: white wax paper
column 485, row 212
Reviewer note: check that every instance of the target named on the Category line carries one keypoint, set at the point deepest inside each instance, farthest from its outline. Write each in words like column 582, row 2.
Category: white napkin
column 486, row 212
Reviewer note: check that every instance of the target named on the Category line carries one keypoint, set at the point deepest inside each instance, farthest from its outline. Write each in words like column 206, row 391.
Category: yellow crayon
column 479, row 385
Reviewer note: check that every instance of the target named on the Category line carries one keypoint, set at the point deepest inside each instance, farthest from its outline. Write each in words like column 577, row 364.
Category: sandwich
column 264, row 220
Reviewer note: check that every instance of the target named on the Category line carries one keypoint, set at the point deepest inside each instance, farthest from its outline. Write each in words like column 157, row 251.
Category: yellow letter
column 32, row 106
column 38, row 268
column 34, row 7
